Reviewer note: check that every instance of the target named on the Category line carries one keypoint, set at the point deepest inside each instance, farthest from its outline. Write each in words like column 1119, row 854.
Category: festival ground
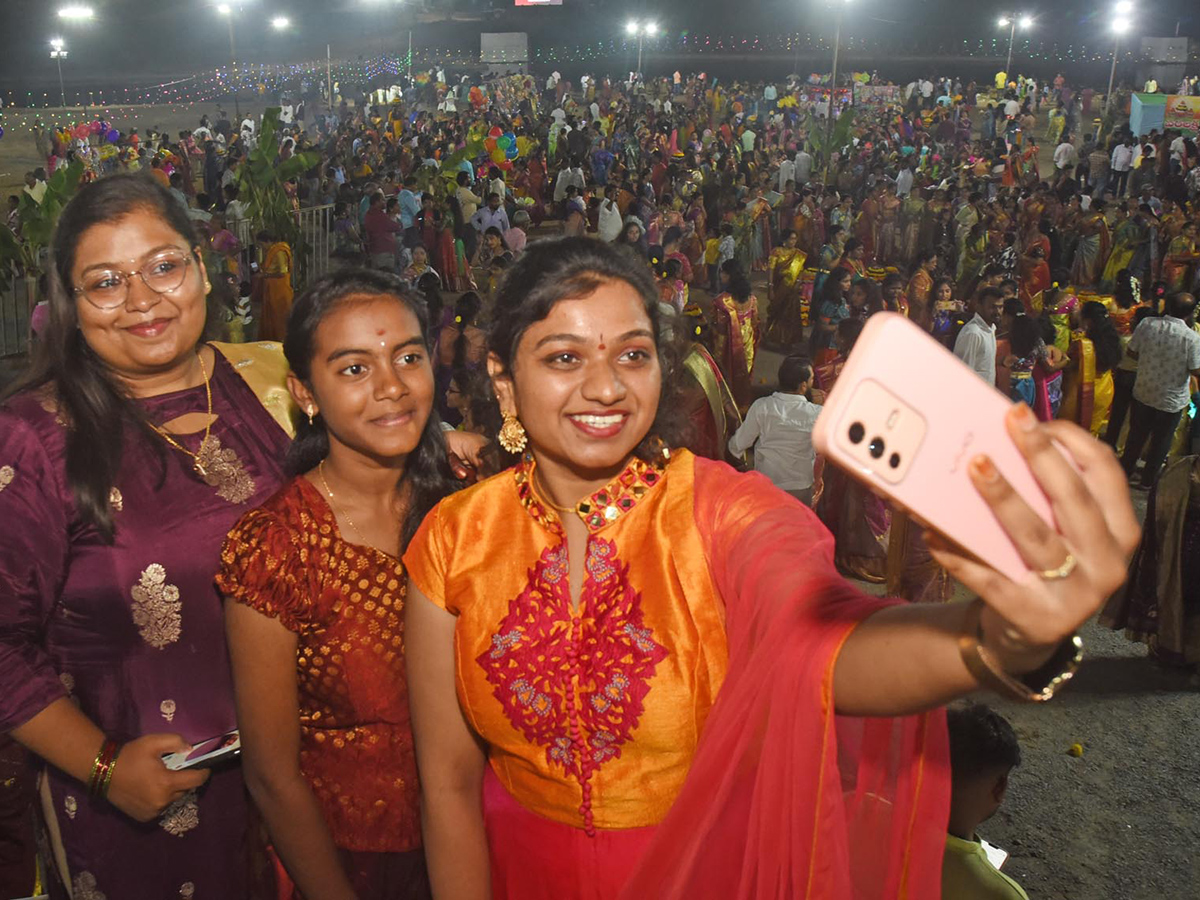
column 1093, row 826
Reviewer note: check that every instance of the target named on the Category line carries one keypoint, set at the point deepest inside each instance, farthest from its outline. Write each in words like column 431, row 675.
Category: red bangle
column 101, row 766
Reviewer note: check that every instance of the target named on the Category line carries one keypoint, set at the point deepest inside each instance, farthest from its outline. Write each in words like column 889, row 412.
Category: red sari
column 738, row 332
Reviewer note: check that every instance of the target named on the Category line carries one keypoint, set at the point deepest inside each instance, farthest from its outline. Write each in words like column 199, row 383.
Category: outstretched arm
column 906, row 658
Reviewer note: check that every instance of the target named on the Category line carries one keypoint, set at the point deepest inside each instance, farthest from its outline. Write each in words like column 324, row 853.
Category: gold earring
column 512, row 435
column 207, row 287
column 310, row 415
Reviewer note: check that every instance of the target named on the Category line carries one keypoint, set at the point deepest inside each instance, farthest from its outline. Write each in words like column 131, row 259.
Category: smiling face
column 371, row 378
column 150, row 332
column 944, row 293
column 585, row 382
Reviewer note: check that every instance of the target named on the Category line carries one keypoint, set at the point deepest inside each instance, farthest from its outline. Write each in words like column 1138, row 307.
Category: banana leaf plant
column 261, row 186
column 824, row 144
column 28, row 254
column 442, row 182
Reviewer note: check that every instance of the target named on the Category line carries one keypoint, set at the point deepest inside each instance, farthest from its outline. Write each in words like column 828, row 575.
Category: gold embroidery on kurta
column 83, row 887
column 181, row 816
column 221, row 468
column 167, row 708
column 187, row 891
column 7, row 474
column 71, row 805
column 115, row 500
column 156, row 607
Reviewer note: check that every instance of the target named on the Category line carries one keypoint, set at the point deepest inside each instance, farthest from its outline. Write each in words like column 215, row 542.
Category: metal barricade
column 14, row 317
column 316, row 236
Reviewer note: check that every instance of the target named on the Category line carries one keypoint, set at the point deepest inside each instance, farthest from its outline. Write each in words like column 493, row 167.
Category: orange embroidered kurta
column 591, row 719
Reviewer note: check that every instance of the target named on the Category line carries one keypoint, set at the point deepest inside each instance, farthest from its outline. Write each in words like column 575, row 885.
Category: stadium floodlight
column 279, row 23
column 76, row 13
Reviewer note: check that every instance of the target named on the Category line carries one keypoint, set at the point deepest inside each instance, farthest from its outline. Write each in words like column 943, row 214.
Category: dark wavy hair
column 96, row 408
column 549, row 272
column 427, row 475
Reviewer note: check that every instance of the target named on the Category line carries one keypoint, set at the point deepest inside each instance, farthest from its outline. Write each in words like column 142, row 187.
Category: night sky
column 151, row 40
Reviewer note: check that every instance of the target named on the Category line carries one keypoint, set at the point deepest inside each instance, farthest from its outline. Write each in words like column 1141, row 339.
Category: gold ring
column 1063, row 571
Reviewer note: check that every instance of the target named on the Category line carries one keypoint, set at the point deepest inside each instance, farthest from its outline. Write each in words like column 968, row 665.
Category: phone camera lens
column 894, row 460
column 876, row 447
column 857, row 432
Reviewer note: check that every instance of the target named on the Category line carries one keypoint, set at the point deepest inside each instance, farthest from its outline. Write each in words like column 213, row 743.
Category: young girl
column 946, row 310
column 317, row 595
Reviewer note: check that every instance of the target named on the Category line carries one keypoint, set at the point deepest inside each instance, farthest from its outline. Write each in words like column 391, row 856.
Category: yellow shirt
column 967, row 874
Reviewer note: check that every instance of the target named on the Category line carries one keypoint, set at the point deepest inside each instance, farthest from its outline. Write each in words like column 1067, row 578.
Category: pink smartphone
column 906, row 417
column 207, row 753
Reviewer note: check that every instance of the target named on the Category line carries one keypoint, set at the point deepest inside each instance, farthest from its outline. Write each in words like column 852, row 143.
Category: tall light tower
column 1120, row 25
column 840, row 5
column 58, row 52
column 1011, row 23
column 641, row 30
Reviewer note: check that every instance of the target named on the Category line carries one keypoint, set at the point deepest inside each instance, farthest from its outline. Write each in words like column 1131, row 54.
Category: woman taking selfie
column 618, row 651
column 327, row 745
column 126, row 455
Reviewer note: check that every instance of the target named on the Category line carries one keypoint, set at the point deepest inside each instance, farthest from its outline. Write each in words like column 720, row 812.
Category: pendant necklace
column 217, row 467
column 337, row 509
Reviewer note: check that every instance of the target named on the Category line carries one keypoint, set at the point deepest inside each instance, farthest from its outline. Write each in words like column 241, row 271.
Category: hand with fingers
column 142, row 786
column 1075, row 563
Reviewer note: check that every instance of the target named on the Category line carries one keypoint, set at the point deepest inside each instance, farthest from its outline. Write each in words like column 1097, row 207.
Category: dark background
column 145, row 42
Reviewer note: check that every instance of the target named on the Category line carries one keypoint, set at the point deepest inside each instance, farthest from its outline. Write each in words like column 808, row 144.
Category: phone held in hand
column 906, row 417
column 206, row 754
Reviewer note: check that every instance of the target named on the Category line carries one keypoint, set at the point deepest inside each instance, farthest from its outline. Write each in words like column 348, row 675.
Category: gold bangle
column 112, row 767
column 1038, row 686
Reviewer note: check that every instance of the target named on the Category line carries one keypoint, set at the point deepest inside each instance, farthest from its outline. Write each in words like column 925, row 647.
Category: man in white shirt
column 787, row 172
column 804, row 167
column 1065, row 155
column 976, row 343
column 1177, row 153
column 1012, row 108
column 904, row 181
column 611, row 222
column 1122, row 162
column 779, row 427
column 1167, row 351
column 571, row 173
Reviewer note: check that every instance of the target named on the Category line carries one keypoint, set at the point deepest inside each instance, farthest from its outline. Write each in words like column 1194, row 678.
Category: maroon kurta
column 133, row 632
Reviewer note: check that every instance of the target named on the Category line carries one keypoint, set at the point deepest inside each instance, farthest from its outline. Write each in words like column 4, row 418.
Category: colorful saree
column 1179, row 266
column 787, row 314
column 276, row 281
column 737, row 331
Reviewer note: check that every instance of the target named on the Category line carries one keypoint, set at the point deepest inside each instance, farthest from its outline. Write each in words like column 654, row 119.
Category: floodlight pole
column 237, row 106
column 61, row 89
column 1012, row 36
column 1112, row 74
column 837, row 40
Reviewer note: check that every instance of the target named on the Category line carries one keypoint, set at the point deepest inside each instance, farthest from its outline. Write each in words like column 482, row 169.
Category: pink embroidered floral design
column 574, row 685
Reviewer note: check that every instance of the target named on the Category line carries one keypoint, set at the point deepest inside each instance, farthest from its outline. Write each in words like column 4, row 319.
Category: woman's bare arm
column 263, row 655
column 450, row 757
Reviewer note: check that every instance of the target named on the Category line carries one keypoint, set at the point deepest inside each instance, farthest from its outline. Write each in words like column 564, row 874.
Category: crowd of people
column 584, row 655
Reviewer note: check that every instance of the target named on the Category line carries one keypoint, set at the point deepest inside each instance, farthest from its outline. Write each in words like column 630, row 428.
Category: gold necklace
column 338, row 509
column 217, row 467
column 198, row 463
column 544, row 495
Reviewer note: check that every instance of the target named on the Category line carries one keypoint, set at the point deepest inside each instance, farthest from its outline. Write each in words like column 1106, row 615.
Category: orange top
column 592, row 719
column 345, row 604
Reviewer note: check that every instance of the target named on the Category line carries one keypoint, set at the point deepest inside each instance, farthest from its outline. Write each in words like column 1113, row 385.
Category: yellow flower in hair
column 458, row 320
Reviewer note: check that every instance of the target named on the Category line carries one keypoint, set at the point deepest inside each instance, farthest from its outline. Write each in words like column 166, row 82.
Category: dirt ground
column 1119, row 823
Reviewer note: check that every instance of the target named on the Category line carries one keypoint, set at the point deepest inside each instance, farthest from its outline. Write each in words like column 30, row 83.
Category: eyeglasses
column 107, row 289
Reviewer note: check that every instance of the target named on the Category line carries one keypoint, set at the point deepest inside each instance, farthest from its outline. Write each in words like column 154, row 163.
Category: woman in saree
column 866, row 226
column 972, row 255
column 1091, row 251
column 452, row 260
column 711, row 409
column 831, row 306
column 1033, row 365
column 1034, row 274
column 1088, row 379
column 737, row 330
column 912, row 214
column 853, row 254
column 1129, row 235
column 919, row 292
column 1157, row 605
column 786, row 315
column 1179, row 264
column 889, row 229
column 549, row 684
column 275, row 286
column 804, row 222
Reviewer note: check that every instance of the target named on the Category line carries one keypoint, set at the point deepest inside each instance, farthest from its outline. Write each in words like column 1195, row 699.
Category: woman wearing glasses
column 125, row 456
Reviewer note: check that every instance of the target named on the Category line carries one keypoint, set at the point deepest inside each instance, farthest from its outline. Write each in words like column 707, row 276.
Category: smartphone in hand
column 206, row 754
column 906, row 418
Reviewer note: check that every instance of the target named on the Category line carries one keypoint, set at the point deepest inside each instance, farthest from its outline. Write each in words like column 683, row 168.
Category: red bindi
column 379, row 333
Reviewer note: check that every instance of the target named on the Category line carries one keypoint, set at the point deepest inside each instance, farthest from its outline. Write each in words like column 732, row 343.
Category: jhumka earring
column 512, row 435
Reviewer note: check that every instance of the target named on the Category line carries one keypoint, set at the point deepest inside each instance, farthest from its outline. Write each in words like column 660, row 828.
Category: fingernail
column 1024, row 417
column 984, row 469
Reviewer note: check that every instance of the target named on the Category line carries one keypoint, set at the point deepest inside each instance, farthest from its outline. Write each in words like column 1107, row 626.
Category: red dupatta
column 785, row 799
